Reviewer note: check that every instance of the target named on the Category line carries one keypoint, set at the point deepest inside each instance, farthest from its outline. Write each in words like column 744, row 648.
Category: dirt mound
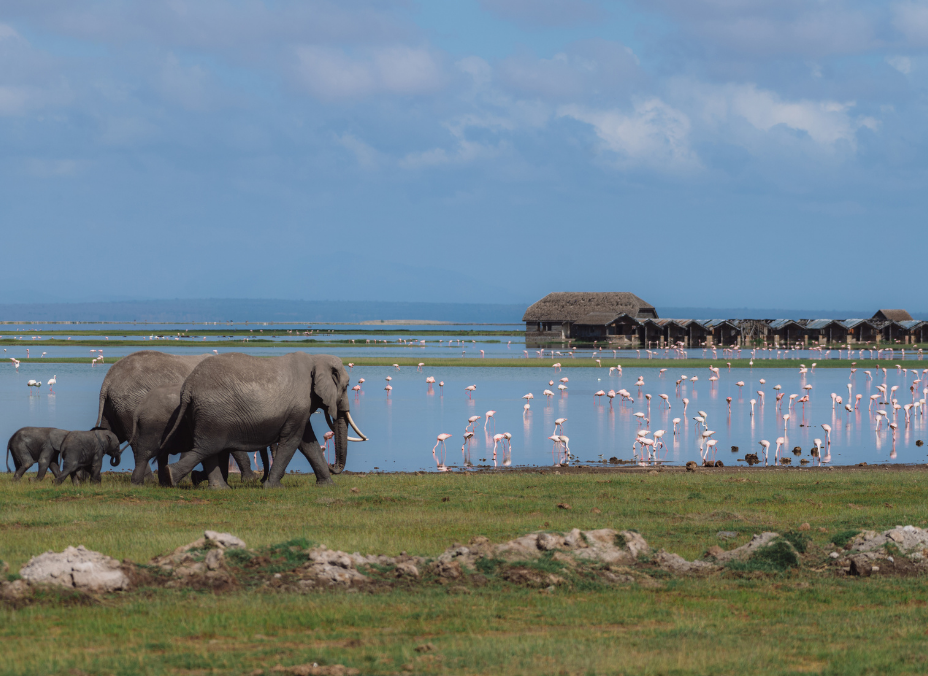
column 76, row 568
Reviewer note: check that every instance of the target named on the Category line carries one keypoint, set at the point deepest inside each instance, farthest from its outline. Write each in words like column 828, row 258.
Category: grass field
column 681, row 365
column 806, row 620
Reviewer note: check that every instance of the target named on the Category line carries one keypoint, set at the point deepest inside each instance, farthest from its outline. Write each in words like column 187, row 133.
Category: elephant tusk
column 355, row 428
column 355, row 439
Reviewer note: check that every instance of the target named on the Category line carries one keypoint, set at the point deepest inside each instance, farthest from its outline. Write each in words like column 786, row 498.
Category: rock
column 674, row 563
column 744, row 551
column 355, row 490
column 909, row 539
column 425, row 648
column 563, row 505
column 860, row 567
column 224, row 540
column 834, row 555
column 76, row 568
column 407, row 570
column 596, row 510
column 726, row 534
column 447, row 570
column 805, row 526
column 333, row 568
column 549, row 541
column 691, row 466
column 734, row 449
column 15, row 590
column 714, row 551
column 214, row 559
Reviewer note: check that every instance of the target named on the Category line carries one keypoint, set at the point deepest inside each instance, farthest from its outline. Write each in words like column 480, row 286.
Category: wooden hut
column 892, row 316
column 786, row 332
column 861, row 330
column 825, row 332
column 723, row 332
column 613, row 317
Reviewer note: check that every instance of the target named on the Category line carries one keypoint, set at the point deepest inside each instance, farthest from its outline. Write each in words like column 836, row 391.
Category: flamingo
column 441, row 386
column 525, row 409
column 471, row 422
column 497, row 438
column 686, row 402
column 325, row 444
column 440, row 442
column 548, row 393
column 388, row 388
column 469, row 389
column 34, row 383
column 728, row 399
column 659, row 438
column 559, row 423
column 780, row 442
column 827, row 429
column 753, row 401
column 610, row 394
column 489, row 415
column 357, row 390
column 52, row 382
column 676, row 421
column 766, row 445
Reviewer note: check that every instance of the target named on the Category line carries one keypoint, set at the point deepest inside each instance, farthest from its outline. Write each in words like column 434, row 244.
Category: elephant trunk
column 115, row 459
column 340, row 428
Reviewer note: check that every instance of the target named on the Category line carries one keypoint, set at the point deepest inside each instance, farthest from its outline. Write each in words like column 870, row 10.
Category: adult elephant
column 236, row 402
column 153, row 418
column 126, row 385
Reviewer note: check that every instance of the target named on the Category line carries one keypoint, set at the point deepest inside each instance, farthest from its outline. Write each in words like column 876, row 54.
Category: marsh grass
column 771, row 617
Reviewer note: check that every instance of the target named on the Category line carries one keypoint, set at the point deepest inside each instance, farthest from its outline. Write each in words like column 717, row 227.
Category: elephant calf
column 30, row 445
column 84, row 451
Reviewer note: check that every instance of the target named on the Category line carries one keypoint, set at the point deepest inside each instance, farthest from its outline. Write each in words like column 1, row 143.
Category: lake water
column 403, row 425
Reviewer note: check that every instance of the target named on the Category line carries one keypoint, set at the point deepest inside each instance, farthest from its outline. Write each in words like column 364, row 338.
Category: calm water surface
column 403, row 425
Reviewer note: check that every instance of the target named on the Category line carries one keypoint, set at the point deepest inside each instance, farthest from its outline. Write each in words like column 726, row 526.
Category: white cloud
column 464, row 150
column 653, row 134
column 333, row 74
column 901, row 63
column 826, row 122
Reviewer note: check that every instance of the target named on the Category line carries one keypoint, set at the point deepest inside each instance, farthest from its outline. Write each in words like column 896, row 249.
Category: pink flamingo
column 472, row 422
column 780, row 442
column 441, row 386
column 441, row 442
column 827, row 429
column 728, row 399
column 325, row 444
column 388, row 388
column 676, row 421
column 469, row 389
column 497, row 438
column 357, row 391
column 766, row 445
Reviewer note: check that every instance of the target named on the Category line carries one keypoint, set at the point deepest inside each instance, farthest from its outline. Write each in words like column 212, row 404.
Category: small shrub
column 798, row 540
column 12, row 577
column 488, row 566
column 238, row 557
column 776, row 557
column 845, row 536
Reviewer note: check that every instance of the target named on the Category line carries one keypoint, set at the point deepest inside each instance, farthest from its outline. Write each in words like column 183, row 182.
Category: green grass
column 688, row 366
column 770, row 618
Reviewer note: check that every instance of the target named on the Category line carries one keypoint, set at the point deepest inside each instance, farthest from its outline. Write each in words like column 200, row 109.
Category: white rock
column 77, row 568
column 224, row 540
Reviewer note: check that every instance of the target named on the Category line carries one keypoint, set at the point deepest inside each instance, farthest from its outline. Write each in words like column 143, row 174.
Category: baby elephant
column 84, row 451
column 31, row 445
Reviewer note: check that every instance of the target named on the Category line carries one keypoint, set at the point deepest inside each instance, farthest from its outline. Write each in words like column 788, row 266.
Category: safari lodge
column 621, row 319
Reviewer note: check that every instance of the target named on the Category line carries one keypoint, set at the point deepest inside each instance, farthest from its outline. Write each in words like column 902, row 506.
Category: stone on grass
column 224, row 540
column 76, row 568
column 744, row 552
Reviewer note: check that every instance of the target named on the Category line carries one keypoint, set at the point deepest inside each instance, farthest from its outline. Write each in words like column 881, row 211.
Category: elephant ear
column 325, row 384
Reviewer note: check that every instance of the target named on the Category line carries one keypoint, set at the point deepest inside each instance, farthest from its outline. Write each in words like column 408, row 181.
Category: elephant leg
column 55, row 469
column 95, row 470
column 23, row 468
column 163, row 477
column 149, row 475
column 141, row 471
column 213, row 469
column 178, row 471
column 313, row 452
column 264, row 464
column 244, row 465
column 285, row 451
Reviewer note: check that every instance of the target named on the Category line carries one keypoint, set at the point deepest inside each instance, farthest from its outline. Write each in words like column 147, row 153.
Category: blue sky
column 723, row 153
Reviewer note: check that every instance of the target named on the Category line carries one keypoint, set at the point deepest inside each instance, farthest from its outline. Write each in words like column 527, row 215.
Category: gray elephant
column 84, row 451
column 30, row 445
column 125, row 387
column 238, row 402
column 151, row 421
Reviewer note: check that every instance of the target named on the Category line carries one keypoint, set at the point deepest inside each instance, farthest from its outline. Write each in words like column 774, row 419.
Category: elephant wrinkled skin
column 236, row 402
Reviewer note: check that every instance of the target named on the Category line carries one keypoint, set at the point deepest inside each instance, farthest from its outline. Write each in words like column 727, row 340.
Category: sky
column 711, row 153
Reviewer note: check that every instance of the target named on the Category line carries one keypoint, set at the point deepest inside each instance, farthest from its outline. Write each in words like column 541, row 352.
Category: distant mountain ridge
column 312, row 311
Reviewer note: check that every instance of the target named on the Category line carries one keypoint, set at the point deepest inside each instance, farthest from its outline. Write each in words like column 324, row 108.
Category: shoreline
column 534, row 362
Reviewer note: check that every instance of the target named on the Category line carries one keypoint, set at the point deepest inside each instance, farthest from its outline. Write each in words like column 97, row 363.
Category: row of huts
column 623, row 319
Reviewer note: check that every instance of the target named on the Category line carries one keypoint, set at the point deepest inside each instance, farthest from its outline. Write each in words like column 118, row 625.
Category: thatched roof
column 573, row 306
column 893, row 315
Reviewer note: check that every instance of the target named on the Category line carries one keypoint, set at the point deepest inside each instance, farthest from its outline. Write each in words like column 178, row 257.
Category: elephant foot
column 274, row 484
column 169, row 477
column 325, row 482
column 220, row 487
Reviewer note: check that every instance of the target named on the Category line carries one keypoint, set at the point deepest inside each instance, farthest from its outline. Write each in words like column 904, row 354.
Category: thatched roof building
column 892, row 315
column 587, row 315
column 570, row 306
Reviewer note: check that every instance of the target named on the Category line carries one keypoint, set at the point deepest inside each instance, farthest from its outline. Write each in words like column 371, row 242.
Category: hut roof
column 893, row 315
column 911, row 324
column 599, row 318
column 569, row 306
column 816, row 324
column 783, row 323
column 853, row 323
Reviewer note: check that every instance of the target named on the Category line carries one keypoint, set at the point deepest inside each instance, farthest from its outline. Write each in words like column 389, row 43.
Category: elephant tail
column 184, row 402
column 103, row 395
column 8, row 455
